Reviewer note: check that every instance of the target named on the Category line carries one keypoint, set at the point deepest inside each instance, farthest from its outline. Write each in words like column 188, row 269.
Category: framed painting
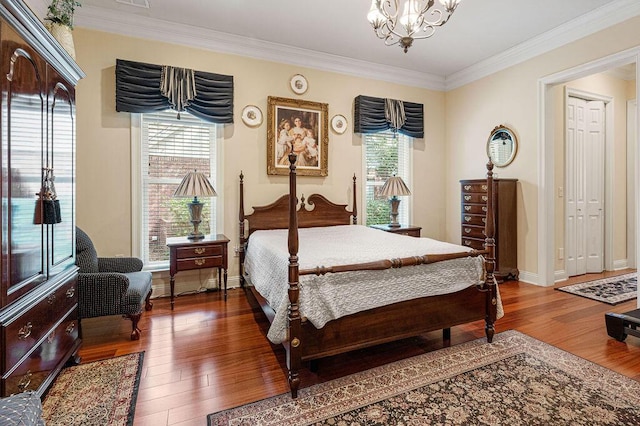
column 301, row 127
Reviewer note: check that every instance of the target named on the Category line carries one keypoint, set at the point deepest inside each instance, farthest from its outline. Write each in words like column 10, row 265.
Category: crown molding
column 154, row 29
column 111, row 21
column 585, row 25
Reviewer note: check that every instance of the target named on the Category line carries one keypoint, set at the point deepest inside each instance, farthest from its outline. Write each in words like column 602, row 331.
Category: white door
column 585, row 150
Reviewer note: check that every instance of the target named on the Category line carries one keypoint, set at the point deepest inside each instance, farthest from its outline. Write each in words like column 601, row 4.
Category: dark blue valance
column 369, row 117
column 138, row 90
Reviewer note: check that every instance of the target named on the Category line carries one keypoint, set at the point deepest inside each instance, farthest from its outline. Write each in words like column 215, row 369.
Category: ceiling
column 481, row 37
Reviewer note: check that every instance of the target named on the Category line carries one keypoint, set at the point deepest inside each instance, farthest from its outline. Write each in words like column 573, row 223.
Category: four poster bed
column 340, row 295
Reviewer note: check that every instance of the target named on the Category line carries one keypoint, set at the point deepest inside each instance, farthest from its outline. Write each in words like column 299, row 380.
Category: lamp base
column 193, row 236
column 195, row 211
column 395, row 202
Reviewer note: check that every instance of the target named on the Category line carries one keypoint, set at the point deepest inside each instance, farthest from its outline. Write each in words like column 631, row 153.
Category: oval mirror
column 502, row 146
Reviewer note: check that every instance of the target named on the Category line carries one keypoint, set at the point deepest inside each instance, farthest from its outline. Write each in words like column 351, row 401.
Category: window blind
column 386, row 154
column 172, row 147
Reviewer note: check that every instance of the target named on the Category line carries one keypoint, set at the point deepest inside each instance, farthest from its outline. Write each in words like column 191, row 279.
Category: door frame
column 546, row 160
column 632, row 178
column 609, row 168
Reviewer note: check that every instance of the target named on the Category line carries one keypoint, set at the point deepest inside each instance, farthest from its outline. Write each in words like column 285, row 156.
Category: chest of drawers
column 473, row 220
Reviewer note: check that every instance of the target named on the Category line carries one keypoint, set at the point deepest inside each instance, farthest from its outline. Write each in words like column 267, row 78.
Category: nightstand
column 410, row 230
column 207, row 252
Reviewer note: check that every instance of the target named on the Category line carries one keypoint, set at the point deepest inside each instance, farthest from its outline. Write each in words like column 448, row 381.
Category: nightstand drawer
column 198, row 251
column 200, row 262
column 411, row 233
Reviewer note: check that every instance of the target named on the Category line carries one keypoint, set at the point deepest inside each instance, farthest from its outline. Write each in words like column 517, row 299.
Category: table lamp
column 195, row 184
column 394, row 187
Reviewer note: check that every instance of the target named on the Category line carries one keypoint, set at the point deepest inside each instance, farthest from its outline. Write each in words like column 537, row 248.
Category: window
column 169, row 148
column 386, row 154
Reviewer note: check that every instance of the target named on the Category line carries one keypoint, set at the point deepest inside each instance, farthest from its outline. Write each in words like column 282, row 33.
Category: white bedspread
column 328, row 297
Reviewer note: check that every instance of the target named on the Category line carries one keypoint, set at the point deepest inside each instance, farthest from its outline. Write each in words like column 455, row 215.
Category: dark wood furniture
column 371, row 327
column 38, row 297
column 208, row 252
column 410, row 230
column 474, row 198
column 621, row 325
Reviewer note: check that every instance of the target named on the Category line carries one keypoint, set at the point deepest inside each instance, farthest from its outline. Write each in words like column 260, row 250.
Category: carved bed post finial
column 294, row 352
column 490, row 258
column 241, row 230
column 355, row 204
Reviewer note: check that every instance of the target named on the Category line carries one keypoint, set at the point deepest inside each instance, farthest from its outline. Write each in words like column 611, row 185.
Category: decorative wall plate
column 299, row 84
column 252, row 116
column 339, row 124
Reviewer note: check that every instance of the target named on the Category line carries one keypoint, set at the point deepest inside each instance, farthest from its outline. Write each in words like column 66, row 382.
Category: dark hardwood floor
column 208, row 355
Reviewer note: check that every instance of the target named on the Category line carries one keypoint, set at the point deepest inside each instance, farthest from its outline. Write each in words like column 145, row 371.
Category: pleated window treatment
column 138, row 90
column 370, row 116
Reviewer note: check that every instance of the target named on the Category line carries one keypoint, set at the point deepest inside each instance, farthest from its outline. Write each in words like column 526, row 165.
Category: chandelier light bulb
column 419, row 19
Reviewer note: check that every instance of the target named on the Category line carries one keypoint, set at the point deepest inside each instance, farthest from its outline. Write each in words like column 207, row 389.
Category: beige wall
column 457, row 124
column 510, row 97
column 104, row 153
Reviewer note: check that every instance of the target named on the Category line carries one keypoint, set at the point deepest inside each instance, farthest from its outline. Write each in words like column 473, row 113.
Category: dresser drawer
column 474, row 209
column 35, row 323
column 473, row 243
column 200, row 262
column 30, row 374
column 200, row 251
column 473, row 219
column 474, row 187
column 475, row 198
column 473, row 232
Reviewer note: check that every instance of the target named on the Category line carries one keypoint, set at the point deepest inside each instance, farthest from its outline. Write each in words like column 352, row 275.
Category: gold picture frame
column 301, row 126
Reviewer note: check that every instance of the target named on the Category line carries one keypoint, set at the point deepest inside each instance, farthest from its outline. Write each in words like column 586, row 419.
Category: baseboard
column 189, row 282
column 620, row 264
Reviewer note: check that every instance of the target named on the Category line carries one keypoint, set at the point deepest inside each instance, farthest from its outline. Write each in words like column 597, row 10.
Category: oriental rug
column 516, row 380
column 612, row 290
column 97, row 393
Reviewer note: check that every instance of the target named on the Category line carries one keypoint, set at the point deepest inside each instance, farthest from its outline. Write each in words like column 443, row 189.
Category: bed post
column 294, row 354
column 355, row 205
column 489, row 259
column 241, row 228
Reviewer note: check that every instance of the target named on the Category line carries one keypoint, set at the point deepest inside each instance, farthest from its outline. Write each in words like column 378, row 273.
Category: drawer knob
column 485, row 198
column 70, row 292
column 467, row 218
column 70, row 328
column 467, row 187
column 199, row 262
column 467, row 242
column 484, row 208
column 199, row 250
column 24, row 383
column 467, row 208
column 51, row 299
column 484, row 187
column 467, row 230
column 484, row 220
column 467, row 197
column 25, row 331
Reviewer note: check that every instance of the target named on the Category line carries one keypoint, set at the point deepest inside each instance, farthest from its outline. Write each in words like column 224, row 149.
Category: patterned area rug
column 516, row 380
column 612, row 290
column 97, row 393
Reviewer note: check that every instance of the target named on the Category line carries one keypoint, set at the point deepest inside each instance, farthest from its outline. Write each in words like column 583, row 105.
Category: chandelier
column 419, row 19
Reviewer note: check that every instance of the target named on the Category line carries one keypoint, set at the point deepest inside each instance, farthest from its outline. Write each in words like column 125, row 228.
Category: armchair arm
column 101, row 293
column 119, row 264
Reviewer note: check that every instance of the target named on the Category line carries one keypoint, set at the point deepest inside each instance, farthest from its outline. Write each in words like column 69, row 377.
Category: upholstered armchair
column 111, row 285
